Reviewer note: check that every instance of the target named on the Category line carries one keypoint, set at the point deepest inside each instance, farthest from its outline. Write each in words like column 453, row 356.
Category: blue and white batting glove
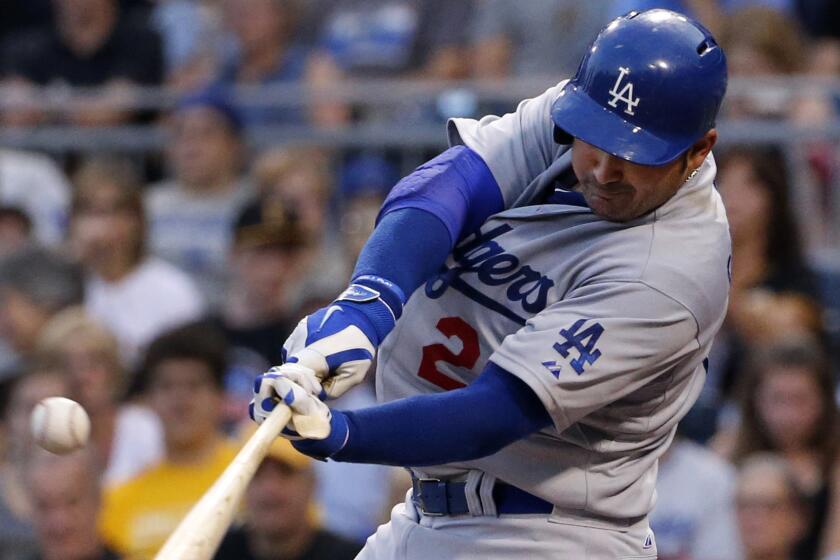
column 310, row 416
column 338, row 342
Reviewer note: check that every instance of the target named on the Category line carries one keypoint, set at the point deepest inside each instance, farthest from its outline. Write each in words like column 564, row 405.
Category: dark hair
column 200, row 341
column 767, row 163
column 768, row 31
column 98, row 171
column 15, row 214
column 217, row 99
column 780, row 467
column 803, row 352
column 48, row 280
column 268, row 224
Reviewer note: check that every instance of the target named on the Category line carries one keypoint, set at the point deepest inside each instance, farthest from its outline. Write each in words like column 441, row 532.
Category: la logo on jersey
column 648, row 544
column 625, row 94
column 582, row 341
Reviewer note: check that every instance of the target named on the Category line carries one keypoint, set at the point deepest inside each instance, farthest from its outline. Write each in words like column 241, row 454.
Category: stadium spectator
column 265, row 265
column 813, row 109
column 521, row 38
column 191, row 37
column 831, row 538
column 385, row 38
column 190, row 215
column 280, row 517
column 788, row 408
column 712, row 13
column 66, row 497
column 709, row 12
column 273, row 257
column 23, row 16
column 15, row 235
column 34, row 286
column 420, row 39
column 694, row 516
column 182, row 374
column 356, row 498
column 135, row 295
column 255, row 316
column 822, row 63
column 766, row 238
column 364, row 182
column 761, row 42
column 766, row 256
column 126, row 438
column 765, row 316
column 298, row 180
column 35, row 185
column 17, row 536
column 265, row 52
column 15, row 230
column 772, row 514
column 92, row 44
column 820, row 17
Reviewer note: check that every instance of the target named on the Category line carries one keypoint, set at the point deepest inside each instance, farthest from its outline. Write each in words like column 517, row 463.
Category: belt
column 435, row 497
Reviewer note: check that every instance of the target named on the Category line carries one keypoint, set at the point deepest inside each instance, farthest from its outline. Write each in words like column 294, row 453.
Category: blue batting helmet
column 649, row 87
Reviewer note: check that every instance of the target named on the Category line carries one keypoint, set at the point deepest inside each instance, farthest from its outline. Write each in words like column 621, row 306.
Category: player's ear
column 698, row 152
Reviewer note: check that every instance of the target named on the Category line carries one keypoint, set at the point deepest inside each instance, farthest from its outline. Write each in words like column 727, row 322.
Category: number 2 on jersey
column 433, row 353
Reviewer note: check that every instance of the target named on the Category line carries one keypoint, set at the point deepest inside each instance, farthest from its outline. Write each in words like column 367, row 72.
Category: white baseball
column 59, row 425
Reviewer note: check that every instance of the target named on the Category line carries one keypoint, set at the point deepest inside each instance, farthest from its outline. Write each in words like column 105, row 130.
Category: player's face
column 619, row 190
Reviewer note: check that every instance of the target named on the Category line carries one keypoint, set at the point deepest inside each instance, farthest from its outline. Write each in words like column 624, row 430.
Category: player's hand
column 310, row 416
column 338, row 342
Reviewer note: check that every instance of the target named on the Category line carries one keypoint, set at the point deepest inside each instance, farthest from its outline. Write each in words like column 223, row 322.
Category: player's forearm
column 424, row 216
column 461, row 425
column 407, row 247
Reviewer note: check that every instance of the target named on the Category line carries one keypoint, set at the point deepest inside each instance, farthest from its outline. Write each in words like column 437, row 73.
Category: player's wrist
column 379, row 300
column 329, row 447
column 389, row 293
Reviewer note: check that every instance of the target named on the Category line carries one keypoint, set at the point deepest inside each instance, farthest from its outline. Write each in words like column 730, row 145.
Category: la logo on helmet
column 626, row 93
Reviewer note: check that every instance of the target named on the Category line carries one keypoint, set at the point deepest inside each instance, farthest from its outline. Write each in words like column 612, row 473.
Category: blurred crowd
column 153, row 290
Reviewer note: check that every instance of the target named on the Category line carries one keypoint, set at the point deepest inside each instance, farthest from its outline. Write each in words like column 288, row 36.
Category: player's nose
column 608, row 168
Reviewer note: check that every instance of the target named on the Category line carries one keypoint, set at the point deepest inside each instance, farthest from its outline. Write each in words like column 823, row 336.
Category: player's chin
column 614, row 209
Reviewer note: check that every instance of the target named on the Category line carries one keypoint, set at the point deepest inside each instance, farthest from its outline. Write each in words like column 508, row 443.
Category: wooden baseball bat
column 198, row 535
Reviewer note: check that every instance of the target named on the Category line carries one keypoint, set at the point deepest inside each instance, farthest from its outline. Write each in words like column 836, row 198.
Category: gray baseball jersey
column 609, row 323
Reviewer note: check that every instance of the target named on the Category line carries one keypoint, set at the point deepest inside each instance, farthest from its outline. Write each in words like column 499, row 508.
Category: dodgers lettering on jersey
column 482, row 257
column 609, row 323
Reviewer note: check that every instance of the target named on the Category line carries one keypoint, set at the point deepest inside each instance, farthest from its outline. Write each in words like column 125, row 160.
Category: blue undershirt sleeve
column 456, row 186
column 407, row 247
column 460, row 425
column 426, row 214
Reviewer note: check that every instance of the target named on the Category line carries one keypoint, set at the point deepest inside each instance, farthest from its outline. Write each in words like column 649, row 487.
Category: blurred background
column 182, row 180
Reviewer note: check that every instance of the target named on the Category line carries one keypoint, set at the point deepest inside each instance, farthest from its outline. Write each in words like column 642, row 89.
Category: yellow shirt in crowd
column 138, row 515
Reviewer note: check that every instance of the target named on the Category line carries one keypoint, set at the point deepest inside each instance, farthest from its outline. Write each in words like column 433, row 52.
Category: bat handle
column 198, row 535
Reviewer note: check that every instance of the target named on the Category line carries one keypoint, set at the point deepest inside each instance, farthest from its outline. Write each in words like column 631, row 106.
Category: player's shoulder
column 690, row 248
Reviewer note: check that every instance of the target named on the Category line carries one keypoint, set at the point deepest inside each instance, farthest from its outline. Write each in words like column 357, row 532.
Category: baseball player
column 542, row 297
